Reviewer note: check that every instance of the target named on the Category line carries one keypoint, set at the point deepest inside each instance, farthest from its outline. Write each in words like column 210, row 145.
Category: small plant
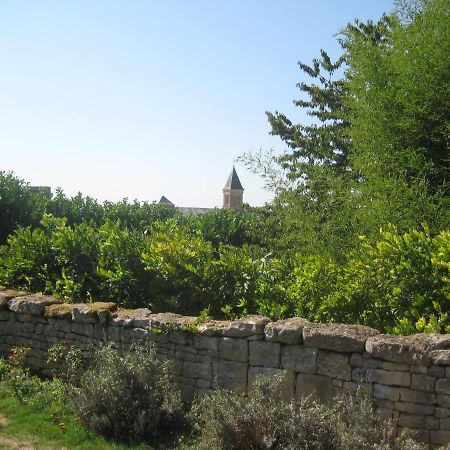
column 68, row 360
column 128, row 397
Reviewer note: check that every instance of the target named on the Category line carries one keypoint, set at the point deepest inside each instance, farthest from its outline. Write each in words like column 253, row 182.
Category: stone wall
column 407, row 376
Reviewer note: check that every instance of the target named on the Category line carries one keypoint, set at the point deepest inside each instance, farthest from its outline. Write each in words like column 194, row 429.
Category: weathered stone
column 436, row 371
column 414, row 408
column 287, row 386
column 337, row 337
column 442, row 412
column 200, row 382
column 209, row 343
column 247, row 326
column 413, row 421
column 422, row 382
column 398, row 367
column 358, row 360
column 81, row 329
column 409, row 395
column 335, row 365
column 403, row 349
column 389, row 377
column 233, row 349
column 441, row 357
column 8, row 295
column 316, row 387
column 31, row 304
column 440, row 437
column 59, row 311
column 230, row 375
column 443, row 386
column 213, row 327
column 264, row 354
column 444, row 424
column 299, row 358
column 197, row 370
column 131, row 317
column 386, row 392
column 89, row 312
column 171, row 321
column 287, row 331
column 418, row 369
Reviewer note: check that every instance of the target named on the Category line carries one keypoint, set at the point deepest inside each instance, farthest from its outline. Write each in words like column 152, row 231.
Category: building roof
column 233, row 181
column 165, row 201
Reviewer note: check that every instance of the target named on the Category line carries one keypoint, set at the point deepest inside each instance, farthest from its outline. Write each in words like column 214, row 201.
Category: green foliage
column 130, row 397
column 67, row 361
column 268, row 419
column 19, row 206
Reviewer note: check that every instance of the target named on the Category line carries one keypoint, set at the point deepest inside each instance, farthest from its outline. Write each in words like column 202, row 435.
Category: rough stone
column 89, row 312
column 440, row 437
column 264, row 354
column 131, row 317
column 212, row 327
column 409, row 395
column 414, row 408
column 386, row 392
column 422, row 382
column 197, row 370
column 230, row 375
column 299, row 358
column 389, row 377
column 233, row 349
column 414, row 421
column 287, row 331
column 443, row 386
column 440, row 357
column 335, row 365
column 247, row 326
column 337, row 337
column 287, row 387
column 31, row 304
column 7, row 295
column 171, row 320
column 316, row 387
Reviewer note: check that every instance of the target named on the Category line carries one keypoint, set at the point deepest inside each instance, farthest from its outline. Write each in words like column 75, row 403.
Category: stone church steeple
column 233, row 192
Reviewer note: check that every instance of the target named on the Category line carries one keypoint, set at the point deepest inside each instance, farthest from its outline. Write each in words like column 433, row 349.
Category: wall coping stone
column 286, row 331
column 338, row 337
column 31, row 304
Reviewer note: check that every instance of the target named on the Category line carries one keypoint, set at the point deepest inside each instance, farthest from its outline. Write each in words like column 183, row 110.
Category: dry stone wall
column 407, row 376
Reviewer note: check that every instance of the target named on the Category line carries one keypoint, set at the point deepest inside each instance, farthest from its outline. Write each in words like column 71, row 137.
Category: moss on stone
column 61, row 311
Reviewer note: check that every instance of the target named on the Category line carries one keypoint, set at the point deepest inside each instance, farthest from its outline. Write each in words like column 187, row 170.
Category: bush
column 129, row 397
column 266, row 419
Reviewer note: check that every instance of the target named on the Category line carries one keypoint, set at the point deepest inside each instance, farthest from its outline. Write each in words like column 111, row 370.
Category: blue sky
column 140, row 98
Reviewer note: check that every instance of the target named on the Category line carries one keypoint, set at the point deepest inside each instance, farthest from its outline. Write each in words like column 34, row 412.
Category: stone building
column 233, row 197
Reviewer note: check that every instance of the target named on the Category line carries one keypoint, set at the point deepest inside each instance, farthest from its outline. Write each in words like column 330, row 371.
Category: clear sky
column 143, row 98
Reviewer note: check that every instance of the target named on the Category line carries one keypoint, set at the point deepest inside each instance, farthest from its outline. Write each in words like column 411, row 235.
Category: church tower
column 233, row 192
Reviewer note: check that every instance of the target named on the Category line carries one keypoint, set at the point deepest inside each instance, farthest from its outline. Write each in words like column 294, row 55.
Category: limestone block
column 418, row 369
column 316, row 387
column 444, row 424
column 203, row 383
column 422, row 382
column 359, row 374
column 410, row 395
column 8, row 294
column 443, row 400
column 381, row 391
column 185, row 356
column 414, row 408
column 59, row 311
column 230, row 375
column 23, row 317
column 436, row 371
column 334, row 365
column 251, row 325
column 388, row 377
column 440, row 437
column 171, row 320
column 31, row 304
column 209, row 343
column 233, row 349
column 447, row 372
column 299, row 358
column 187, row 392
column 353, row 387
column 358, row 360
column 287, row 387
column 63, row 325
column 337, row 337
column 139, row 318
column 414, row 421
column 264, row 354
column 49, row 330
column 156, row 336
column 398, row 367
column 180, row 337
column 443, row 386
column 29, row 328
column 138, row 334
column 287, row 331
column 442, row 412
column 82, row 329
column 212, row 327
column 197, row 370
column 92, row 312
column 441, row 357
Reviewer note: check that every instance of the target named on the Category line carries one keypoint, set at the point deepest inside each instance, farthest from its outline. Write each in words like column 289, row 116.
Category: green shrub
column 266, row 419
column 129, row 397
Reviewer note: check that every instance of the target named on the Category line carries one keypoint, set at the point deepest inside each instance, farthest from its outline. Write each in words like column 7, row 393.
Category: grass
column 24, row 426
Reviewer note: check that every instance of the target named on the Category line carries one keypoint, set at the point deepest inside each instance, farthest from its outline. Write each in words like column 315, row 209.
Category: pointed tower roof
column 165, row 201
column 233, row 181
